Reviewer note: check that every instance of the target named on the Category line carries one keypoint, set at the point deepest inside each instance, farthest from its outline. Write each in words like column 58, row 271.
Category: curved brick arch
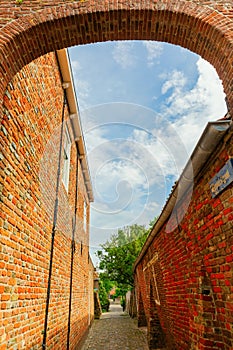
column 202, row 29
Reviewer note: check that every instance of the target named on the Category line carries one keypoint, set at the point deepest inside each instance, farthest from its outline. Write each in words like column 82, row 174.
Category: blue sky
column 143, row 107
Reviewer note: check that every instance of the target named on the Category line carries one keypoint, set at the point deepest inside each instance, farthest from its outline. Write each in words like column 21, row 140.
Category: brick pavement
column 115, row 330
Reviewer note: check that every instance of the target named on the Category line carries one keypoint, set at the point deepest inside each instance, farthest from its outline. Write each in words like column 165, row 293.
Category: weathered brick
column 204, row 27
column 27, row 236
column 203, row 291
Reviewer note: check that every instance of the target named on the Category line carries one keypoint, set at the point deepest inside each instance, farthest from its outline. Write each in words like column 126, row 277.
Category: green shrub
column 103, row 297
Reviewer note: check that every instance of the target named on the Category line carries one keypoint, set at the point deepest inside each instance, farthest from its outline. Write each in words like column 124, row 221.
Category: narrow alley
column 146, row 110
column 115, row 330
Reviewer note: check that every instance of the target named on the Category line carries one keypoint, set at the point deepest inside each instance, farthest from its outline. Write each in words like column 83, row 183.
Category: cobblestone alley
column 115, row 330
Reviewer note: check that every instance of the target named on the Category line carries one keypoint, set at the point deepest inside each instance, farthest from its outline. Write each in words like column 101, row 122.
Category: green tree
column 103, row 295
column 107, row 283
column 119, row 253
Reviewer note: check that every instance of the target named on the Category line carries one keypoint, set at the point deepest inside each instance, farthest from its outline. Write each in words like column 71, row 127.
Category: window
column 66, row 166
column 85, row 215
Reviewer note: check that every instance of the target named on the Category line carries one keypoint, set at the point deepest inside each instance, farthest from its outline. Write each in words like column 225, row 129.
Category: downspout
column 73, row 251
column 205, row 147
column 55, row 215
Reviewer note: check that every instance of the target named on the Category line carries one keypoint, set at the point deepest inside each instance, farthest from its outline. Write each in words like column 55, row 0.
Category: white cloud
column 190, row 110
column 157, row 156
column 127, row 175
column 175, row 80
column 123, row 55
column 210, row 85
column 76, row 66
column 154, row 50
column 83, row 92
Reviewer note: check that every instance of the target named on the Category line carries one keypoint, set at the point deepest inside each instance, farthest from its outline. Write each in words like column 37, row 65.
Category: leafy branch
column 119, row 253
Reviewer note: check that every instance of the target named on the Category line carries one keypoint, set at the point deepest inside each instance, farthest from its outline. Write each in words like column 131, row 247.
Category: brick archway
column 35, row 28
column 30, row 30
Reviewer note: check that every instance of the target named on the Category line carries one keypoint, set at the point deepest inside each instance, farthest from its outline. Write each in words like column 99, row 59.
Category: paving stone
column 115, row 330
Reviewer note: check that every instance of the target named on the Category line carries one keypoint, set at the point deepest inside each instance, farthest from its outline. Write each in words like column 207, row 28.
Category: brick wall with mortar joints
column 32, row 111
column 11, row 10
column 204, row 27
column 141, row 305
column 196, row 35
column 142, row 289
column 196, row 262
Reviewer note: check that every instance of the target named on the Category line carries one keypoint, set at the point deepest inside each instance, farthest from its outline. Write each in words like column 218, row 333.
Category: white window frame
column 66, row 164
column 85, row 215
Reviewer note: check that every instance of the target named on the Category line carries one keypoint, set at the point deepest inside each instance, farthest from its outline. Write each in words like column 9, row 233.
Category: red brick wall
column 34, row 28
column 32, row 116
column 193, row 269
column 204, row 27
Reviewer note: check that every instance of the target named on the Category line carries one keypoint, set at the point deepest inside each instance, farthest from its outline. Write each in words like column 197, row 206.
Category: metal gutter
column 68, row 85
column 206, row 145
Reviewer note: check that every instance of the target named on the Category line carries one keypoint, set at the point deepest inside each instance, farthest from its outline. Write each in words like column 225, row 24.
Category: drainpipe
column 72, row 252
column 205, row 147
column 55, row 214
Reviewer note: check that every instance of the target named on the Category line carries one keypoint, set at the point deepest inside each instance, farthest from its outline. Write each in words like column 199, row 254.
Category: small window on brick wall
column 66, row 164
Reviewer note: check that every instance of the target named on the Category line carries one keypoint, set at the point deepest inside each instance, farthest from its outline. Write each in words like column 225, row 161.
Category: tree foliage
column 107, row 283
column 103, row 295
column 119, row 253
